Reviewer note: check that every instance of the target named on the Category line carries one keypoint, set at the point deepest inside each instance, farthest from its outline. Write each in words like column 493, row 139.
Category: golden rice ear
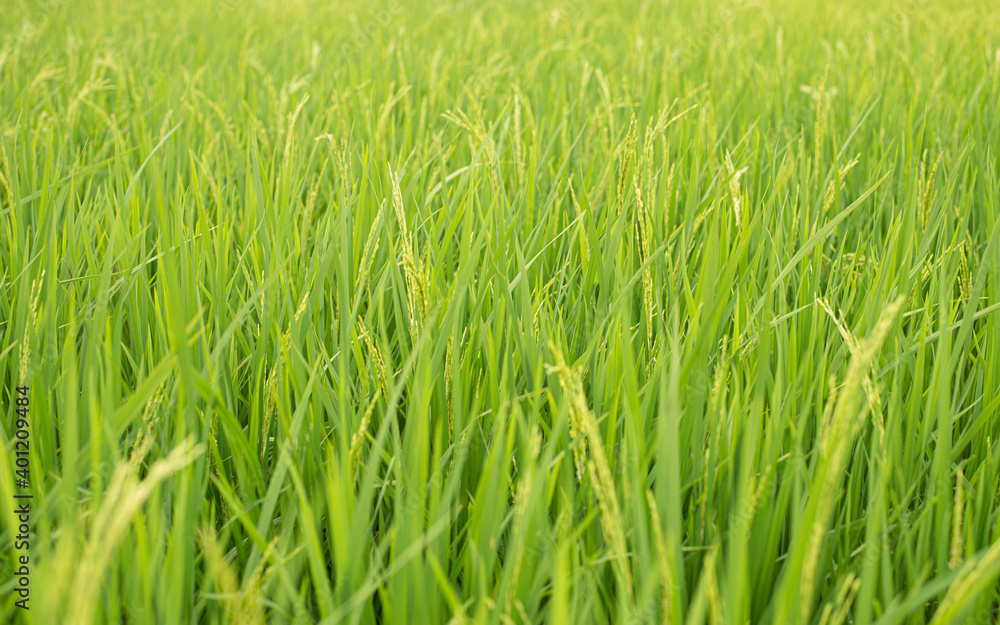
column 123, row 499
column 627, row 153
column 359, row 437
column 735, row 190
column 602, row 479
column 371, row 247
column 973, row 580
column 219, row 570
column 665, row 570
column 845, row 422
column 417, row 278
column 958, row 511
column 30, row 326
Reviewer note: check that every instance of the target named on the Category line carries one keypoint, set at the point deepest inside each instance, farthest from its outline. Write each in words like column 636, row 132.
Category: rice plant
column 483, row 311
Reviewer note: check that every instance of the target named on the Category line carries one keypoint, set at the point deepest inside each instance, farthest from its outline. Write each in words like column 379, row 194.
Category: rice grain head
column 122, row 500
column 837, row 439
column 735, row 190
column 371, row 247
column 662, row 560
column 358, row 439
column 602, row 478
column 973, row 580
column 417, row 298
column 955, row 551
column 30, row 325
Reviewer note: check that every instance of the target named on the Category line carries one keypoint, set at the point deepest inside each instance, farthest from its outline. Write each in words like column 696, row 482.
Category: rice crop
column 483, row 311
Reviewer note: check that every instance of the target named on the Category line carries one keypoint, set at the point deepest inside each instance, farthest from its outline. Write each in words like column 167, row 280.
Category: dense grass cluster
column 503, row 311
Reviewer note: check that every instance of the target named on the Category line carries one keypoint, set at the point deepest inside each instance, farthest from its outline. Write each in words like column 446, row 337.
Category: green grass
column 502, row 312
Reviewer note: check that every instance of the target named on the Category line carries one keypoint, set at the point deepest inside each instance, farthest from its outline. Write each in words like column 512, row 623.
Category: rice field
column 480, row 311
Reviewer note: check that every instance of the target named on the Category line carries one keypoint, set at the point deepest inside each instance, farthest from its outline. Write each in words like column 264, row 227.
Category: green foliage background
column 502, row 312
